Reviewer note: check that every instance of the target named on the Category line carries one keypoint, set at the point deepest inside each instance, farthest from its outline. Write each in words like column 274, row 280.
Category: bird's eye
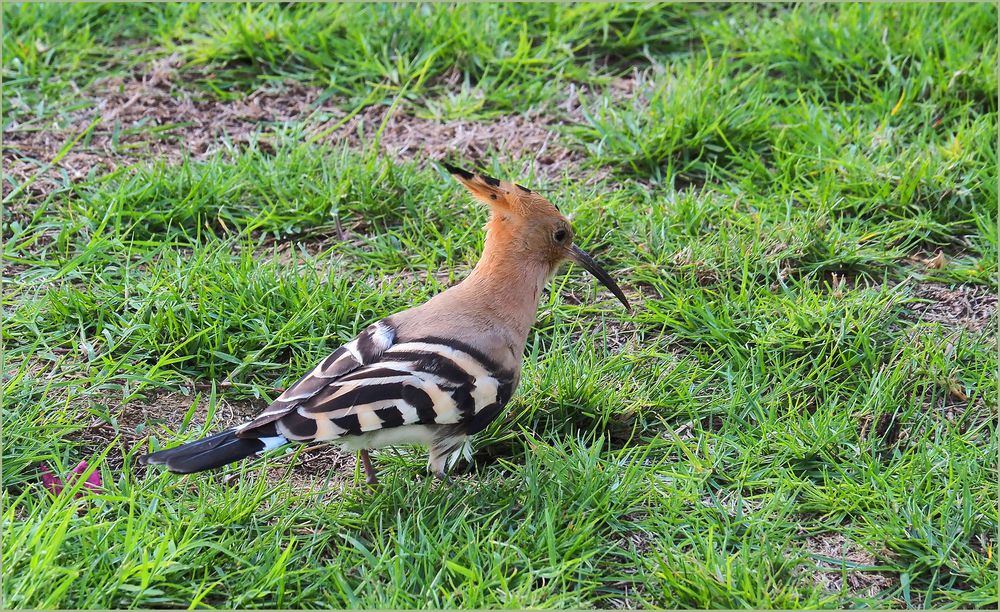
column 560, row 235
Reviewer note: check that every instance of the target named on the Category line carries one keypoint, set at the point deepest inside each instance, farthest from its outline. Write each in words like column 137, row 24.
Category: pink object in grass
column 55, row 484
column 50, row 481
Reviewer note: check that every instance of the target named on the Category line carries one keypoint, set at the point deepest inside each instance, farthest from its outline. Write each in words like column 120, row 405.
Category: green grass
column 767, row 196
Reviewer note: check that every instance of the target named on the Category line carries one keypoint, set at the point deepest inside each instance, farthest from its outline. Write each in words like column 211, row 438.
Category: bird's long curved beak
column 580, row 256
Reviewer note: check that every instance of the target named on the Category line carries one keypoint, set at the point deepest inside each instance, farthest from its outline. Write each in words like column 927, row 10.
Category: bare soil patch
column 162, row 415
column 969, row 306
column 838, row 566
column 155, row 115
column 150, row 115
column 531, row 136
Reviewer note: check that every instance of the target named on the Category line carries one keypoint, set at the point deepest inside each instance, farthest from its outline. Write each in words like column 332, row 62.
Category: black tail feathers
column 211, row 452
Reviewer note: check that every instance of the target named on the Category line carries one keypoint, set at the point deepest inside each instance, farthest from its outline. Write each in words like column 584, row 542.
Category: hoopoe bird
column 432, row 375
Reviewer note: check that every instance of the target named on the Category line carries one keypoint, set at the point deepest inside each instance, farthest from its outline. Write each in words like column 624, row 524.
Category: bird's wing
column 366, row 348
column 416, row 382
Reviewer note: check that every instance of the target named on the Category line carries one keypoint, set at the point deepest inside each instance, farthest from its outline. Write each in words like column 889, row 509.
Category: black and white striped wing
column 367, row 347
column 427, row 382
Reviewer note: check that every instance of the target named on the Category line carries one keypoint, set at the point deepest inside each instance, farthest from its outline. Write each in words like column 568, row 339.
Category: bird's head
column 526, row 225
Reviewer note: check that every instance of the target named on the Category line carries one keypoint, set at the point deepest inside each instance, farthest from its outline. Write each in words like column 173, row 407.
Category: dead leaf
column 937, row 262
column 838, row 285
column 956, row 390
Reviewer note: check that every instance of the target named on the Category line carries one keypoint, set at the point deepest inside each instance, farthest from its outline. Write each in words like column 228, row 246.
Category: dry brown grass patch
column 970, row 306
column 531, row 136
column 149, row 115
column 153, row 114
column 838, row 568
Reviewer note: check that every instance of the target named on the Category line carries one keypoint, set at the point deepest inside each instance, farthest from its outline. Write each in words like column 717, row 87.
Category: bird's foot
column 442, row 477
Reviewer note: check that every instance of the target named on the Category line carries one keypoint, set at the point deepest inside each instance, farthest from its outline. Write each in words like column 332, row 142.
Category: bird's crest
column 503, row 195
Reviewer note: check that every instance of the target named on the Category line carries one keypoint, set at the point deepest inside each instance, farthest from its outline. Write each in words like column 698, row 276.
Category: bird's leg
column 366, row 461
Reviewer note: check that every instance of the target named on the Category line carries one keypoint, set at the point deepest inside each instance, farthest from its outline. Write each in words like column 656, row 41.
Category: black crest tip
column 457, row 171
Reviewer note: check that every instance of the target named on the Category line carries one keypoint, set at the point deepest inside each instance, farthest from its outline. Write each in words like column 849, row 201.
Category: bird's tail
column 211, row 452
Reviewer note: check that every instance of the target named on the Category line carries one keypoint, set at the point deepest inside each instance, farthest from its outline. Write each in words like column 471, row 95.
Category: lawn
column 202, row 201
